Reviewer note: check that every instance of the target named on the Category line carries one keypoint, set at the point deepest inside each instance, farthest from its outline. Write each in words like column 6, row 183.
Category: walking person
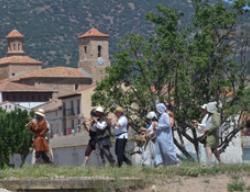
column 39, row 127
column 103, row 136
column 148, row 149
column 165, row 152
column 211, row 130
column 121, row 134
column 91, row 129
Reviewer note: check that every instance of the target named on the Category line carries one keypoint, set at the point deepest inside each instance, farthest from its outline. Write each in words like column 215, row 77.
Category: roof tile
column 93, row 32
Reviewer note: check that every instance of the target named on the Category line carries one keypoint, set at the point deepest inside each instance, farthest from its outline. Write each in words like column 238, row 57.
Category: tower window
column 85, row 49
column 99, row 51
column 19, row 46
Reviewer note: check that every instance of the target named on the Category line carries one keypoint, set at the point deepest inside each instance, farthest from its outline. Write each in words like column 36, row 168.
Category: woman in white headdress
column 165, row 152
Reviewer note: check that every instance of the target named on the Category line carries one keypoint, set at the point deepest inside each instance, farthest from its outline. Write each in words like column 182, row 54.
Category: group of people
column 159, row 147
column 99, row 128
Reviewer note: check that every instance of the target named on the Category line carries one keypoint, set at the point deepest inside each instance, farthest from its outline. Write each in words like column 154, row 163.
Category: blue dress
column 165, row 152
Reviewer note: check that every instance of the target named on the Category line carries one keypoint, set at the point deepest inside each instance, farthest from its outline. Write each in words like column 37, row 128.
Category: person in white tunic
column 121, row 135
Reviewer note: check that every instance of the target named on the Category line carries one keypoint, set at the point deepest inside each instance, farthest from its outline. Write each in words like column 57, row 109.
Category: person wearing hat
column 165, row 152
column 211, row 129
column 91, row 129
column 103, row 136
column 121, row 135
column 39, row 127
column 148, row 151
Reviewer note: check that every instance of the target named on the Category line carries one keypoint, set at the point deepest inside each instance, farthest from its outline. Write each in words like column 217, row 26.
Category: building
column 62, row 79
column 71, row 106
column 94, row 53
column 16, row 62
column 24, row 95
column 10, row 106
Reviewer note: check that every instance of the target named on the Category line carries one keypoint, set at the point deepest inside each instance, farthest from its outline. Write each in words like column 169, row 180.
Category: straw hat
column 119, row 109
column 40, row 112
column 100, row 109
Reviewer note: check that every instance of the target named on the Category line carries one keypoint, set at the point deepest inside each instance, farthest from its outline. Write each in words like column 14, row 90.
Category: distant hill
column 51, row 26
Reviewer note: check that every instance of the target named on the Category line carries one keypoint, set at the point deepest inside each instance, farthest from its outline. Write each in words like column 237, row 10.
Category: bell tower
column 94, row 53
column 15, row 43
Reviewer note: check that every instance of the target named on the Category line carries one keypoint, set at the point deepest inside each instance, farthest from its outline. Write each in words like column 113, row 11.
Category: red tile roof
column 14, row 34
column 19, row 59
column 8, row 86
column 56, row 72
column 93, row 32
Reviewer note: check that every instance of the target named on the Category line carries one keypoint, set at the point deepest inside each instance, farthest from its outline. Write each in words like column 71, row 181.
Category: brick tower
column 94, row 53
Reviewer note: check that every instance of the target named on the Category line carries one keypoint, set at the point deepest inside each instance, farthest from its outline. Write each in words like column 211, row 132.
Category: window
column 85, row 49
column 13, row 74
column 14, row 46
column 72, row 107
column 72, row 125
column 64, row 109
column 76, row 86
column 19, row 46
column 99, row 51
column 78, row 106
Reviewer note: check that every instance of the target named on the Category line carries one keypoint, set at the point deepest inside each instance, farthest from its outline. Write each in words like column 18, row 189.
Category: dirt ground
column 217, row 183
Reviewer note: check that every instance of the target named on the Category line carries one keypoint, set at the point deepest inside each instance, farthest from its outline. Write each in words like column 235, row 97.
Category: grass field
column 192, row 170
column 219, row 178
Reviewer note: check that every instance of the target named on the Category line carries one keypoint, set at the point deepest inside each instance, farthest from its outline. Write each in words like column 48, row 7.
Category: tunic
column 40, row 129
column 165, row 152
column 213, row 124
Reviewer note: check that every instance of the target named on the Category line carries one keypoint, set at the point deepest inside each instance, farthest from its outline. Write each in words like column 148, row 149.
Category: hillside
column 51, row 26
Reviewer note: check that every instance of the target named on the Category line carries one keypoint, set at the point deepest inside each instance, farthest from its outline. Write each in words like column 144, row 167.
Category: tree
column 185, row 65
column 14, row 136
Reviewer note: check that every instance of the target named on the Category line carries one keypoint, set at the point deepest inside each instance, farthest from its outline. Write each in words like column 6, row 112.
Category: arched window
column 99, row 51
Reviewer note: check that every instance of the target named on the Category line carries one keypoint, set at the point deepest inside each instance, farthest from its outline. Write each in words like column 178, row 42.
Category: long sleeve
column 101, row 125
column 163, row 122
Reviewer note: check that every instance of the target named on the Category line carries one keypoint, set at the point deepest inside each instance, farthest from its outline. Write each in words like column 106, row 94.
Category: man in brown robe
column 39, row 127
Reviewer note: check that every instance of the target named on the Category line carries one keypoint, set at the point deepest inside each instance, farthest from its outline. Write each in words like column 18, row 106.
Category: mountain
column 51, row 27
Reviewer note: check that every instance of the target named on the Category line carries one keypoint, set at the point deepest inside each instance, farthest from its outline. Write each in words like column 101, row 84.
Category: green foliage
column 236, row 185
column 14, row 136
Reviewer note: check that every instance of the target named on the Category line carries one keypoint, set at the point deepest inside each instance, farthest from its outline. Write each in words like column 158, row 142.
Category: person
column 39, row 127
column 201, row 136
column 148, row 151
column 121, row 135
column 103, row 136
column 211, row 130
column 165, row 152
column 91, row 129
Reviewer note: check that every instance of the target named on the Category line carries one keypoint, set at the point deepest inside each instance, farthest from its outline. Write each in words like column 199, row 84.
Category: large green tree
column 186, row 64
column 14, row 136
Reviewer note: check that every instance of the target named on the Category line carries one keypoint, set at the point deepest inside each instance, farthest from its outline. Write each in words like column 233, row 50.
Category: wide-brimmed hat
column 99, row 109
column 40, row 112
column 119, row 109
column 212, row 107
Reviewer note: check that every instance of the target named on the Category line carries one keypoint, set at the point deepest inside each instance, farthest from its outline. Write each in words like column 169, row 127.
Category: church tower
column 15, row 43
column 94, row 53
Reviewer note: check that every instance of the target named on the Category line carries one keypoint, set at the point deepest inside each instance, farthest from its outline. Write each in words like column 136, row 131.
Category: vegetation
column 14, row 136
column 184, row 67
column 191, row 170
